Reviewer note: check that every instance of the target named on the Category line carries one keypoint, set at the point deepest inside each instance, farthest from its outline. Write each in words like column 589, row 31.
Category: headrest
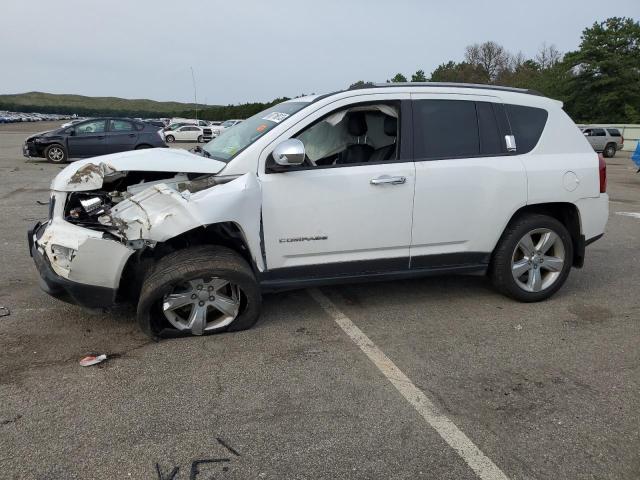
column 390, row 126
column 357, row 125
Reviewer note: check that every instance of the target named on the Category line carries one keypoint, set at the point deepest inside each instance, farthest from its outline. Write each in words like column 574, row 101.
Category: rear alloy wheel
column 55, row 154
column 198, row 291
column 537, row 260
column 533, row 259
column 609, row 151
column 200, row 139
column 170, row 139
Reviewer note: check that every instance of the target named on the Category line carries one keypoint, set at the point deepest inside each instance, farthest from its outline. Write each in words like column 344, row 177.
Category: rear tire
column 170, row 139
column 55, row 153
column 537, row 275
column 181, row 275
column 609, row 150
column 143, row 147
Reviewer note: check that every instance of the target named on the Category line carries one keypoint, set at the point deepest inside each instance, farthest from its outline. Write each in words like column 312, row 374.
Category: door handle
column 132, row 135
column 386, row 179
column 100, row 138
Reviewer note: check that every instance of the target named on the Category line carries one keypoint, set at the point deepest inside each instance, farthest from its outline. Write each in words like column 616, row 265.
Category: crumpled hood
column 88, row 174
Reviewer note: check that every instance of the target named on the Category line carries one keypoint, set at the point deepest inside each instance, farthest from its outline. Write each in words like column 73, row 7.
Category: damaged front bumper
column 89, row 296
column 76, row 264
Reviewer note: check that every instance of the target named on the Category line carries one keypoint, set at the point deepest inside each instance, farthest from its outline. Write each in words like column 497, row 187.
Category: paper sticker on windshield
column 261, row 128
column 276, row 117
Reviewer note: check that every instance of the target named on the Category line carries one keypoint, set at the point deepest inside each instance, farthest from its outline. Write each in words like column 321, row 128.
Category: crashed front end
column 103, row 214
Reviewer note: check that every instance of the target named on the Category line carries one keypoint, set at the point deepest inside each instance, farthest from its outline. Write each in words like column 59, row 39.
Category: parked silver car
column 604, row 139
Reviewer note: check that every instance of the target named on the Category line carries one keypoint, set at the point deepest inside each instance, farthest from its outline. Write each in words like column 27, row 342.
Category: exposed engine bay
column 95, row 209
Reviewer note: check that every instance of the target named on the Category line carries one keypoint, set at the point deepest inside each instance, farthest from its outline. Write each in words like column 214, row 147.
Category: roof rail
column 454, row 85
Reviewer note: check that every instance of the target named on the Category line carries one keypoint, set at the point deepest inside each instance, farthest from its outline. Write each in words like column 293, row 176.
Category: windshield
column 231, row 142
column 228, row 123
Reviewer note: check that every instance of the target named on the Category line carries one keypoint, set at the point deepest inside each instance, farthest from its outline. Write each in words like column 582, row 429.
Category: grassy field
column 82, row 105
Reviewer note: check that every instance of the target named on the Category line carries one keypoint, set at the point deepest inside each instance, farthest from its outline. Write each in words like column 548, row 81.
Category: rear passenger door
column 467, row 184
column 122, row 136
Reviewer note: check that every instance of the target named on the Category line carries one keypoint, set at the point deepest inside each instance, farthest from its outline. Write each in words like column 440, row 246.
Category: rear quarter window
column 614, row 132
column 527, row 125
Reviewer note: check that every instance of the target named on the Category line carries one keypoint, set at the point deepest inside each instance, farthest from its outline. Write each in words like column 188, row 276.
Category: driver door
column 337, row 220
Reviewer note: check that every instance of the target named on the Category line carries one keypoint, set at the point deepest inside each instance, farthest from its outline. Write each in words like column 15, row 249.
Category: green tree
column 398, row 78
column 462, row 72
column 604, row 84
column 361, row 84
column 419, row 76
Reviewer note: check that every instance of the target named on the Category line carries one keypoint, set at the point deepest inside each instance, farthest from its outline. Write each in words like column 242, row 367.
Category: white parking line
column 450, row 433
column 629, row 214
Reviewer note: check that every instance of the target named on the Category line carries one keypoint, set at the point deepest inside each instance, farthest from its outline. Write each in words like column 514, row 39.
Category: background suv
column 90, row 138
column 604, row 139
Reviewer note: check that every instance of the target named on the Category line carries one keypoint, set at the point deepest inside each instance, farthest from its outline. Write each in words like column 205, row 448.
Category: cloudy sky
column 256, row 50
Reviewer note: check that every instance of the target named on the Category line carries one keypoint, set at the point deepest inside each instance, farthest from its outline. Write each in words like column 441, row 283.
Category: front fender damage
column 160, row 213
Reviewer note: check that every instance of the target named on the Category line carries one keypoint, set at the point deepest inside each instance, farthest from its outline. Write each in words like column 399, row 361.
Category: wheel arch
column 227, row 234
column 566, row 213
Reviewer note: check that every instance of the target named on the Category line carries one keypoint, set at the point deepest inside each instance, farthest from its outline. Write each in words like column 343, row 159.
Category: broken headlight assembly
column 62, row 256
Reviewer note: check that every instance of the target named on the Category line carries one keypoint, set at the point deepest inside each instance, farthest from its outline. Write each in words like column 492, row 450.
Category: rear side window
column 490, row 138
column 527, row 124
column 614, row 132
column 598, row 132
column 458, row 129
column 445, row 129
column 120, row 126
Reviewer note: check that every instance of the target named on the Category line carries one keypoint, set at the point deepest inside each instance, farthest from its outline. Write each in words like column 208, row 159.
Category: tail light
column 621, row 140
column 603, row 173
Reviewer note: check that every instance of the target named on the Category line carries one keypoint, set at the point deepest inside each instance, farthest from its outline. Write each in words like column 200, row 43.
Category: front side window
column 231, row 142
column 358, row 134
column 96, row 126
column 120, row 126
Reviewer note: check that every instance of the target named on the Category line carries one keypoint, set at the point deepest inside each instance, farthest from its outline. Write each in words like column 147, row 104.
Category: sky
column 252, row 50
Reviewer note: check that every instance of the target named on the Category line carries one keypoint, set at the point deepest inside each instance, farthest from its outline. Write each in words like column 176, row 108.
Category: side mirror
column 71, row 132
column 586, row 134
column 289, row 153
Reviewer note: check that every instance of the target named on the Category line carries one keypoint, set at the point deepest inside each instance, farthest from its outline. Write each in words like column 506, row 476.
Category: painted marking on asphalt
column 450, row 433
column 629, row 214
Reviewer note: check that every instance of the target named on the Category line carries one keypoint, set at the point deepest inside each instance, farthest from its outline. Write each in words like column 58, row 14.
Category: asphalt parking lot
column 547, row 390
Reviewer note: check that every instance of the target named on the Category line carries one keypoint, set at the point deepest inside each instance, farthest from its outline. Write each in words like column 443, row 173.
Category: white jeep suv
column 387, row 182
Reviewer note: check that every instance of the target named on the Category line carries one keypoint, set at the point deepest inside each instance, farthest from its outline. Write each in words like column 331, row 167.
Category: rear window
column 527, row 124
column 614, row 132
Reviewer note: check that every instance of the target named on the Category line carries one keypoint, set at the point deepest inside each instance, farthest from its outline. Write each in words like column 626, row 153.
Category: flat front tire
column 533, row 258
column 199, row 291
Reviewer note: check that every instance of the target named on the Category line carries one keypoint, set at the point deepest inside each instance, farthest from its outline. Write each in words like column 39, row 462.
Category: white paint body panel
column 463, row 204
column 147, row 160
column 361, row 221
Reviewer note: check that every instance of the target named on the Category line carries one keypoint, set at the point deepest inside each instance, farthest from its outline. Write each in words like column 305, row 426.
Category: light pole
column 195, row 93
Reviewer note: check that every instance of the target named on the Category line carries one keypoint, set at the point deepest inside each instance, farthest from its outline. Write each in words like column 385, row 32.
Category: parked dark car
column 96, row 136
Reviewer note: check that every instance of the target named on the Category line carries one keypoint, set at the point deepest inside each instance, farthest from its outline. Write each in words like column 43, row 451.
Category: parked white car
column 217, row 130
column 185, row 133
column 389, row 182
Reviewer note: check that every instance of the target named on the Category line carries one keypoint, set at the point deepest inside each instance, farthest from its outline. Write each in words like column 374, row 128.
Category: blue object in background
column 635, row 156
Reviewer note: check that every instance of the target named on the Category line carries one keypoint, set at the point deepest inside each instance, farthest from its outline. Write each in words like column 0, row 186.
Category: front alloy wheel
column 537, row 260
column 200, row 305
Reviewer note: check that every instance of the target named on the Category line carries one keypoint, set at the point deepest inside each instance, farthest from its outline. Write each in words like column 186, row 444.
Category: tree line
column 598, row 83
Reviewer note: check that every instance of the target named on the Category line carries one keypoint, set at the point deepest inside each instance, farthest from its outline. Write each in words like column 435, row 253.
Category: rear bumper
column 89, row 296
